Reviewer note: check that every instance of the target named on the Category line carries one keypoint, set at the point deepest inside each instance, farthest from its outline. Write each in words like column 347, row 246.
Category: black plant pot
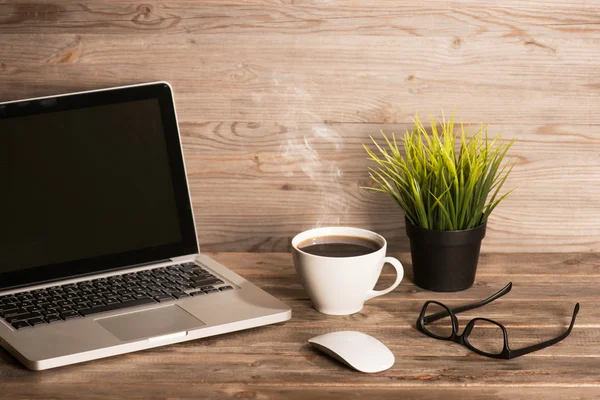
column 444, row 261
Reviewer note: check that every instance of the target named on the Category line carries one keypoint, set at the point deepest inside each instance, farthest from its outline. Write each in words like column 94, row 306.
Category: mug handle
column 399, row 275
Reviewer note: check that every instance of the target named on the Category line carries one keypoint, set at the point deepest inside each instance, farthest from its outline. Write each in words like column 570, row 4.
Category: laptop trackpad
column 150, row 323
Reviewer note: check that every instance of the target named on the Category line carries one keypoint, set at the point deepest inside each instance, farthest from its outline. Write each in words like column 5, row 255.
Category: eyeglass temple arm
column 456, row 310
column 539, row 346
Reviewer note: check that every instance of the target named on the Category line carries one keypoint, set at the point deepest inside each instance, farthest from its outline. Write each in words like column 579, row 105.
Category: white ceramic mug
column 341, row 285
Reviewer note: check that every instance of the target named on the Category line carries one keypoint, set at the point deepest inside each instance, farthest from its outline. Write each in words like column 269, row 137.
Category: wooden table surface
column 275, row 362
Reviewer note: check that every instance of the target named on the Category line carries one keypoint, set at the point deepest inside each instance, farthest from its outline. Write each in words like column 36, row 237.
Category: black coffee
column 339, row 246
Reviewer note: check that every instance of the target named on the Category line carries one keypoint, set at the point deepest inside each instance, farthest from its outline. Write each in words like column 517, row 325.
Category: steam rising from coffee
column 304, row 147
column 325, row 174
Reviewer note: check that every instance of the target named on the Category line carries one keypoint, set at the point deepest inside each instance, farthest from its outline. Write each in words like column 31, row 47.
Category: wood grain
column 321, row 78
column 276, row 98
column 193, row 390
column 274, row 362
column 309, row 175
column 389, row 17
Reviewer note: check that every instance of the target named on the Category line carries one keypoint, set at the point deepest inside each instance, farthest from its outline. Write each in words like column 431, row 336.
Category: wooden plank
column 538, row 266
column 553, row 315
column 466, row 18
column 317, row 370
column 311, row 175
column 194, row 390
column 328, row 79
column 484, row 287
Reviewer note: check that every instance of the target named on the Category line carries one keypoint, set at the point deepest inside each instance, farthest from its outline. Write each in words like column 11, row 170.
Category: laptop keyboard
column 81, row 299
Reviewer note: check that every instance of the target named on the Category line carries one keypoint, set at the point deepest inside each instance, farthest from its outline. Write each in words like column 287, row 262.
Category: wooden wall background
column 276, row 97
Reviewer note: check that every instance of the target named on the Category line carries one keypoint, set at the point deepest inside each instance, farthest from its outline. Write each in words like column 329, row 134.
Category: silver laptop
column 98, row 247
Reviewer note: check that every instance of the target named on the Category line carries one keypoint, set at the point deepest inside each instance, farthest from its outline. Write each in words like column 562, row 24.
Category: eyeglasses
column 483, row 336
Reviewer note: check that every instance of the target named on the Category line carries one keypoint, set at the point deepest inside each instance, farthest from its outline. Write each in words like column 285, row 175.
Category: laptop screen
column 91, row 182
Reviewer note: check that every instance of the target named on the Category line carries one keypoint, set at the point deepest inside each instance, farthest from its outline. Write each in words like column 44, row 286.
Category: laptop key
column 8, row 307
column 96, row 304
column 36, row 321
column 52, row 318
column 14, row 311
column 206, row 282
column 180, row 295
column 69, row 315
column 197, row 293
column 162, row 298
column 22, row 317
column 188, row 266
column 225, row 288
column 117, row 306
column 111, row 301
column 20, row 324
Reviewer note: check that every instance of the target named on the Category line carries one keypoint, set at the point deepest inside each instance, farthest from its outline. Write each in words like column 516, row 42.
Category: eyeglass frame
column 463, row 339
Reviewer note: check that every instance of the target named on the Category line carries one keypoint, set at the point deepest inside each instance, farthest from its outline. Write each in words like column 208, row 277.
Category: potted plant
column 447, row 184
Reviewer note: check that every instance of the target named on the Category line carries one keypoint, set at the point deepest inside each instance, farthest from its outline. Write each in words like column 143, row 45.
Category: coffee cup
column 339, row 267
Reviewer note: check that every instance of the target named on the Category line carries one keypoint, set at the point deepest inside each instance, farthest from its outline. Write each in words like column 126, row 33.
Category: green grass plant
column 445, row 180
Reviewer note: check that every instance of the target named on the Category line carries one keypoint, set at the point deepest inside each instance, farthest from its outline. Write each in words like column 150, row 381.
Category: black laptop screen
column 91, row 185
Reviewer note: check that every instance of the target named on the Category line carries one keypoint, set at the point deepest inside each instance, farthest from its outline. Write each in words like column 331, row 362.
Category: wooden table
column 275, row 362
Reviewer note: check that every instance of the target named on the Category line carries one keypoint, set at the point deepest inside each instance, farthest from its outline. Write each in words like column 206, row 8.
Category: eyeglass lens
column 442, row 327
column 486, row 337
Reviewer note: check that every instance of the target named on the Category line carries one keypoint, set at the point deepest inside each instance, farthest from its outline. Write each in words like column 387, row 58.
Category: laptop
column 98, row 248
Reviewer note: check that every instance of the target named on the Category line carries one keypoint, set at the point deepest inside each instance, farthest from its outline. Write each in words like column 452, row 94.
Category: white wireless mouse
column 358, row 350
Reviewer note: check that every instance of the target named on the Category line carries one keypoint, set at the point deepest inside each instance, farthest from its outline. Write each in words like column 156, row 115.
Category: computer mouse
column 358, row 350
